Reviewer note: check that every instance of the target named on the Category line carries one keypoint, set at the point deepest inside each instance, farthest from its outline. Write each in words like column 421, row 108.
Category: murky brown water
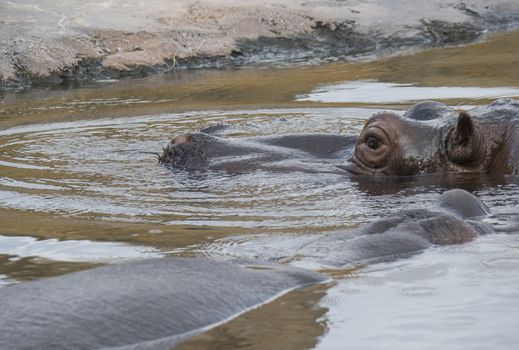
column 80, row 186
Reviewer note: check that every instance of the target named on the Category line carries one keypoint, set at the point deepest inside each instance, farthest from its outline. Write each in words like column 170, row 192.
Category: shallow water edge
column 66, row 43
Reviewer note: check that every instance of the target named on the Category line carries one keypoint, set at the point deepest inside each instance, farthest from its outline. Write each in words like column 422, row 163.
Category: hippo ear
column 463, row 143
column 464, row 129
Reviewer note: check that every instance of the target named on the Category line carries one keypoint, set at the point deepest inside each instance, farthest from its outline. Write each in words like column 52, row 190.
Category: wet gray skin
column 150, row 304
column 430, row 138
column 294, row 152
column 454, row 219
column 155, row 304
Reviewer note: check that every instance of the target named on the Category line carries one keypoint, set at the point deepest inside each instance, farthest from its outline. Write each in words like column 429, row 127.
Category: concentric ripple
column 107, row 169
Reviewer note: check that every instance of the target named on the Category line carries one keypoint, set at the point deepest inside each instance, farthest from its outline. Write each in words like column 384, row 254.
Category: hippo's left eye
column 373, row 142
column 374, row 149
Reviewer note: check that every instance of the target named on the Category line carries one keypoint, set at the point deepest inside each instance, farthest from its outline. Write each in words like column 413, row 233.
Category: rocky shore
column 49, row 42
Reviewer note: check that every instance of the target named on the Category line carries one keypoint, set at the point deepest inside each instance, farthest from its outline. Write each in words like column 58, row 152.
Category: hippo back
column 428, row 110
column 152, row 304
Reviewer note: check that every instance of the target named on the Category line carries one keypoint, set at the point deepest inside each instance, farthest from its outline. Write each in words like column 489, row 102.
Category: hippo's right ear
column 463, row 144
column 464, row 129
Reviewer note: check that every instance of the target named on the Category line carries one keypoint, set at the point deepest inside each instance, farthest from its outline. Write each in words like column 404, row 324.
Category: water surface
column 80, row 186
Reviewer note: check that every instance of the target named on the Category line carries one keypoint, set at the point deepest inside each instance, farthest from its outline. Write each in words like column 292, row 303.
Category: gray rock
column 48, row 42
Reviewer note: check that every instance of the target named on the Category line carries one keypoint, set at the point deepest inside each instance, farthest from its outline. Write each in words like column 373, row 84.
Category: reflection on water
column 3, row 279
column 80, row 184
column 458, row 297
column 16, row 269
column 72, row 250
column 377, row 92
column 292, row 322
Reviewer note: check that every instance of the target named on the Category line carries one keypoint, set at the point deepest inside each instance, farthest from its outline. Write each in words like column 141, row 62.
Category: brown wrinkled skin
column 432, row 138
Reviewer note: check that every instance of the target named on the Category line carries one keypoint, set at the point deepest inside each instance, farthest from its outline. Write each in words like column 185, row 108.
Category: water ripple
column 106, row 168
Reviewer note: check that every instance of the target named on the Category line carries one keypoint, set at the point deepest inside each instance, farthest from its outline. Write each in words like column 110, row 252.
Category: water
column 71, row 250
column 80, row 185
column 377, row 92
column 451, row 298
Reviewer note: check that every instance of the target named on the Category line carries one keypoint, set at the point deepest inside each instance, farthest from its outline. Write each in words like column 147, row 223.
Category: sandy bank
column 49, row 42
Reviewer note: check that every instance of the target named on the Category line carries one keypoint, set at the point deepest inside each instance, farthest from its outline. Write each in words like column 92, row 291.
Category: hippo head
column 428, row 139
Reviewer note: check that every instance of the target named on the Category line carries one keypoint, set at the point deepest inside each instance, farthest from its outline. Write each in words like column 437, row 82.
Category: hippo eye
column 373, row 142
column 374, row 149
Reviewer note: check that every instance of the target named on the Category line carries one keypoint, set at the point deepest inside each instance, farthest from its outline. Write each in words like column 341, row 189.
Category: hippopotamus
column 157, row 303
column 289, row 152
column 430, row 138
column 148, row 304
column 454, row 218
column 433, row 138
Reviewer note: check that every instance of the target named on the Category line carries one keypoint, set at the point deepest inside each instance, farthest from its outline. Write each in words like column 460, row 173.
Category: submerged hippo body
column 151, row 304
column 157, row 303
column 455, row 218
column 430, row 138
